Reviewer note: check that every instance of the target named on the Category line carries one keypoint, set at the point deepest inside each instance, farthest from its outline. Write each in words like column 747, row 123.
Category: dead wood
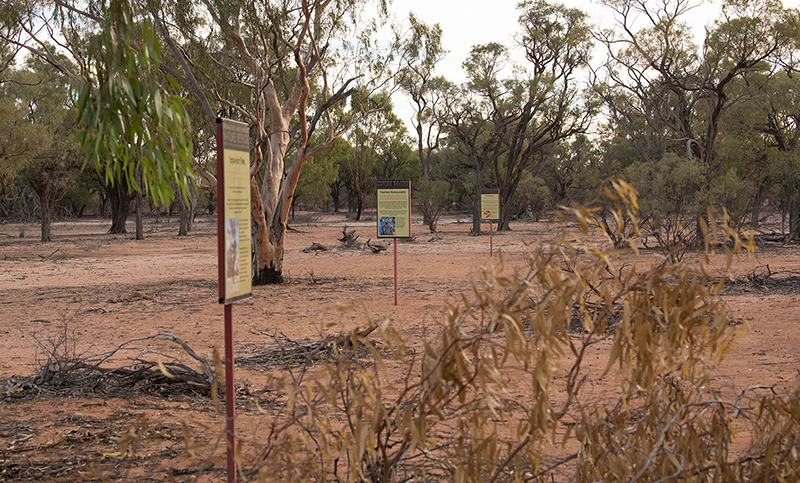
column 316, row 248
column 349, row 239
column 193, row 470
column 376, row 248
column 61, row 372
column 285, row 351
column 45, row 257
column 772, row 237
column 763, row 279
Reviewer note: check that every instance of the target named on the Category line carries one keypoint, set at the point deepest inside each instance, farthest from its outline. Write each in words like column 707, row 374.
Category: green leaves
column 129, row 121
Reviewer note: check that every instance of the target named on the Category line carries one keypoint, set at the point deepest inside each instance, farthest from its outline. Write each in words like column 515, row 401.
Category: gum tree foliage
column 20, row 141
column 424, row 50
column 513, row 120
column 782, row 133
column 670, row 97
column 398, row 159
column 370, row 139
column 282, row 67
column 286, row 69
column 132, row 123
column 36, row 139
column 319, row 173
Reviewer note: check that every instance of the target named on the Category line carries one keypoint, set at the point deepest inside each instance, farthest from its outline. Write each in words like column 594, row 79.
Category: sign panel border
column 485, row 195
column 233, row 213
column 386, row 224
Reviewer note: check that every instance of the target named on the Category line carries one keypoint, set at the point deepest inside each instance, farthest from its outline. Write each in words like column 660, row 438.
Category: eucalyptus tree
column 131, row 123
column 669, row 95
column 546, row 107
column 290, row 66
column 370, row 139
column 782, row 133
column 280, row 66
column 48, row 127
column 320, row 172
column 474, row 118
column 20, row 140
column 423, row 51
column 527, row 112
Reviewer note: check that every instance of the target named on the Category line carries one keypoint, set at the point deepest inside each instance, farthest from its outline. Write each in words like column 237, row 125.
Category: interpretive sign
column 234, row 188
column 394, row 208
column 490, row 205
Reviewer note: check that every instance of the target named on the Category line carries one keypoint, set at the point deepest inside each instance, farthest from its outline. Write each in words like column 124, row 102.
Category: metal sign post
column 233, row 248
column 491, row 242
column 490, row 210
column 394, row 214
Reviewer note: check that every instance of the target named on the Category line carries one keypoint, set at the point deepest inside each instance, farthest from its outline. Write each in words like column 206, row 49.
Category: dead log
column 316, row 248
column 349, row 239
column 286, row 351
column 376, row 248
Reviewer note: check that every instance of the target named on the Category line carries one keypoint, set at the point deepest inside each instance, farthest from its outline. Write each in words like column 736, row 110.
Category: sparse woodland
column 635, row 132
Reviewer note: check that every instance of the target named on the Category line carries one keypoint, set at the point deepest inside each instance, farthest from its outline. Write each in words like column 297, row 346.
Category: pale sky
column 470, row 22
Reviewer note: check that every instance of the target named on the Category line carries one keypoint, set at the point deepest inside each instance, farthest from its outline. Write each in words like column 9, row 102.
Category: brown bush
column 453, row 416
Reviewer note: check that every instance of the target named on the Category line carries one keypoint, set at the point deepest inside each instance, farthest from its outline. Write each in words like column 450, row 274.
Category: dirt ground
column 108, row 289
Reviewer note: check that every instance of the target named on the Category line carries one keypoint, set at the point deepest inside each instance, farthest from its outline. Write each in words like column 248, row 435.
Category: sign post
column 233, row 247
column 490, row 210
column 394, row 214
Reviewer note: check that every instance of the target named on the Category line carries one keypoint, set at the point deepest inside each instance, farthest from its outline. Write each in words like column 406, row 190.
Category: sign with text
column 234, row 188
column 490, row 205
column 394, row 208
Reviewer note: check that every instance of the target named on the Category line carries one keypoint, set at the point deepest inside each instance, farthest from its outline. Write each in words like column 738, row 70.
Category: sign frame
column 393, row 218
column 490, row 205
column 233, row 214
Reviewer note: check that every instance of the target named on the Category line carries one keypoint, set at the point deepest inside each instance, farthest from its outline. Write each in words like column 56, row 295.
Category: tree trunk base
column 268, row 276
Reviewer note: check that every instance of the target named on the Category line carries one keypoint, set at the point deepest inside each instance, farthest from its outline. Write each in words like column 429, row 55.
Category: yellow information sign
column 234, row 188
column 490, row 205
column 394, row 208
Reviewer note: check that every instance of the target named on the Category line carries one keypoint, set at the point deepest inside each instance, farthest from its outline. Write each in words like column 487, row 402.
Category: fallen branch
column 61, row 371
column 45, row 257
column 376, row 248
column 193, row 470
column 316, row 248
column 284, row 350
column 349, row 239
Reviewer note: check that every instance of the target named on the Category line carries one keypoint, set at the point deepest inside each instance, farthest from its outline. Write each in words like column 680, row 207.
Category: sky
column 470, row 22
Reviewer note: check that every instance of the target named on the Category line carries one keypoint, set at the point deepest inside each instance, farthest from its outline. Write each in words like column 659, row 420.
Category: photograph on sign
column 394, row 208
column 236, row 207
column 490, row 205
column 386, row 226
column 232, row 254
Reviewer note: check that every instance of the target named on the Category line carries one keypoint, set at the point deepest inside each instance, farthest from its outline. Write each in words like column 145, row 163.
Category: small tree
column 371, row 138
column 424, row 50
column 45, row 94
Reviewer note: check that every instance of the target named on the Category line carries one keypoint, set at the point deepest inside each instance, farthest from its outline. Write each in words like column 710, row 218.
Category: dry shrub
column 485, row 398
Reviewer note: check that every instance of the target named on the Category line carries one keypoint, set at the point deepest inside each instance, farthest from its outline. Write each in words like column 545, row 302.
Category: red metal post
column 229, row 391
column 229, row 380
column 491, row 245
column 395, row 271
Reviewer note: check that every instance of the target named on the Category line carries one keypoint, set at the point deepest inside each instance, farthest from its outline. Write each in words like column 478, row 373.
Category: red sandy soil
column 109, row 289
